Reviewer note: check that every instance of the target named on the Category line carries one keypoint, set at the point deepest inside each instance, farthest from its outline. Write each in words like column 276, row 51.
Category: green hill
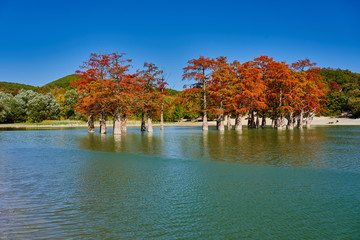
column 10, row 87
column 63, row 82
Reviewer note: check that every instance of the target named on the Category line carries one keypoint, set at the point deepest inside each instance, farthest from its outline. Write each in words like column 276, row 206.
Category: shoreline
column 318, row 121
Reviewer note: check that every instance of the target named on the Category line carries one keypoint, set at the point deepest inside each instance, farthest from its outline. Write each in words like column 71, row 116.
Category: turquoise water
column 181, row 184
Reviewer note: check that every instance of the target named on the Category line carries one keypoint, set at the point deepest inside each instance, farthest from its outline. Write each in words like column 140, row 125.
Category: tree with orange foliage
column 281, row 90
column 233, row 98
column 312, row 91
column 91, row 87
column 124, row 90
column 200, row 70
column 152, row 96
column 105, row 87
column 218, row 90
column 253, row 86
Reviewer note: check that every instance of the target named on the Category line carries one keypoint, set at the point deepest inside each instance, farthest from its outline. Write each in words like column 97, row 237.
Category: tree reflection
column 283, row 148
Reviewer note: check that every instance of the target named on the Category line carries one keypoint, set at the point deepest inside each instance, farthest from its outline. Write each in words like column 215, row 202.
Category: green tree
column 336, row 103
column 70, row 101
column 4, row 106
column 43, row 107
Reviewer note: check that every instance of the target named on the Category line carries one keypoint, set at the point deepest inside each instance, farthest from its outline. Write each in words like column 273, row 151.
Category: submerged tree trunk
column 116, row 122
column 123, row 123
column 251, row 120
column 228, row 122
column 280, row 122
column 263, row 121
column 273, row 122
column 102, row 123
column 238, row 122
column 221, row 125
column 309, row 119
column 143, row 127
column 91, row 127
column 276, row 123
column 290, row 118
column 301, row 119
column 257, row 121
column 149, row 122
column 205, row 122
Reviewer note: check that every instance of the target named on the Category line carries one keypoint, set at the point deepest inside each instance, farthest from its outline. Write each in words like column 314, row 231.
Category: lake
column 181, row 184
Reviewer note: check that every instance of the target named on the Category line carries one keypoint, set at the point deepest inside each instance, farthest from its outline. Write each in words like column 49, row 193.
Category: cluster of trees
column 344, row 92
column 288, row 94
column 27, row 105
column 106, row 87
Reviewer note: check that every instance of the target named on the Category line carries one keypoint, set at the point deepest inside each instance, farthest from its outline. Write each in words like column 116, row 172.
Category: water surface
column 181, row 183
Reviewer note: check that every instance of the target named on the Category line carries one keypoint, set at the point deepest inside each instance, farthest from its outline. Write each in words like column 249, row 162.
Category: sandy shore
column 318, row 121
column 109, row 125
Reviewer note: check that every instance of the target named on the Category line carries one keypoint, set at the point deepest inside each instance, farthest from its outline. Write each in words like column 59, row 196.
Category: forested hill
column 63, row 83
column 14, row 87
column 346, row 79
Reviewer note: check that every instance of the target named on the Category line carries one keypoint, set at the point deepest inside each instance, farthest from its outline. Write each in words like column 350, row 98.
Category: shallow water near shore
column 181, row 183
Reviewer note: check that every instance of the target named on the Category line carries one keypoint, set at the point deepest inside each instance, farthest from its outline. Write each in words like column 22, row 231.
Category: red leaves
column 152, row 83
column 261, row 85
column 105, row 84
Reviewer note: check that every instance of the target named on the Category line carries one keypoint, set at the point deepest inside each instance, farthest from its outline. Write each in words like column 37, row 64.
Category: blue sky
column 42, row 41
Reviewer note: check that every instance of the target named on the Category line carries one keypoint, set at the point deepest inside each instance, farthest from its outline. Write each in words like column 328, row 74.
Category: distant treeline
column 62, row 83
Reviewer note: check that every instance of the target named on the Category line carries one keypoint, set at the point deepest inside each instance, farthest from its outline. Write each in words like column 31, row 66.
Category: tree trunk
column 290, row 118
column 263, row 121
column 280, row 122
column 149, row 122
column 257, row 120
column 228, row 122
column 301, row 119
column 162, row 117
column 309, row 119
column 123, row 123
column 221, row 125
column 276, row 123
column 116, row 122
column 238, row 122
column 143, row 127
column 103, row 123
column 205, row 122
column 249, row 121
column 273, row 122
column 91, row 127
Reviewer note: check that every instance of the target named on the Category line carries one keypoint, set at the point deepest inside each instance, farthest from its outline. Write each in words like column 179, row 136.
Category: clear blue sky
column 43, row 40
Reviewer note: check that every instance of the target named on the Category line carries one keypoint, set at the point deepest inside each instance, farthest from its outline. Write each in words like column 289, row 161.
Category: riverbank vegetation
column 105, row 89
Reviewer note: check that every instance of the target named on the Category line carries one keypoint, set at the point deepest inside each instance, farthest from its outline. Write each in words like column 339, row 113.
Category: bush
column 43, row 107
